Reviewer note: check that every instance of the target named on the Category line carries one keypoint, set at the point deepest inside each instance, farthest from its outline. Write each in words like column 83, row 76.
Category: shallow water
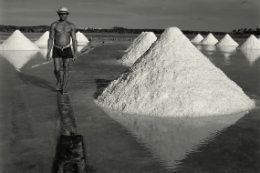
column 116, row 142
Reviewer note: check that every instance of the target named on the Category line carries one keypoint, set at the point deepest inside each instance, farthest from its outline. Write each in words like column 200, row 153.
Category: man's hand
column 75, row 57
column 48, row 57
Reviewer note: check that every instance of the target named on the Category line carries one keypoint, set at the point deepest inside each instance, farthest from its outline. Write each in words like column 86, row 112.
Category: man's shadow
column 39, row 82
column 101, row 85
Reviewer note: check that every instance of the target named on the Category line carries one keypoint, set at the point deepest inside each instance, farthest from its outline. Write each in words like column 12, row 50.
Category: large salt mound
column 198, row 38
column 137, row 39
column 42, row 42
column 17, row 41
column 139, row 48
column 174, row 79
column 18, row 58
column 251, row 43
column 209, row 40
column 227, row 41
column 81, row 38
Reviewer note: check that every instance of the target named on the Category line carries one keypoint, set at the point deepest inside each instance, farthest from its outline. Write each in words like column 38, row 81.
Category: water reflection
column 171, row 138
column 251, row 55
column 210, row 49
column 18, row 58
column 227, row 51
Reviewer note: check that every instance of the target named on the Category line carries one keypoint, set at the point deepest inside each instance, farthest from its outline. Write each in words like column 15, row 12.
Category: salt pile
column 42, row 42
column 209, row 40
column 173, row 78
column 18, row 58
column 137, row 39
column 17, row 41
column 198, row 38
column 251, row 43
column 139, row 48
column 227, row 41
column 81, row 38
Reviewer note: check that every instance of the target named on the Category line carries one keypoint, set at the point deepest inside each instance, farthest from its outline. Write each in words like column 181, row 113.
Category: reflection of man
column 61, row 32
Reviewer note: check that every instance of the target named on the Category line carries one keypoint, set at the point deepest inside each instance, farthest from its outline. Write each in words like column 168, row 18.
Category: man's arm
column 74, row 41
column 50, row 40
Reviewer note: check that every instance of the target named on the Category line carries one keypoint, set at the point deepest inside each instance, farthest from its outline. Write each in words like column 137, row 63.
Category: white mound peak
column 17, row 41
column 138, row 48
column 197, row 39
column 173, row 78
column 42, row 42
column 227, row 41
column 81, row 38
column 251, row 43
column 209, row 40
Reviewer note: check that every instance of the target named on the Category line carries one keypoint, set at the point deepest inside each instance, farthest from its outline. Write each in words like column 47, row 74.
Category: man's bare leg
column 57, row 72
column 65, row 74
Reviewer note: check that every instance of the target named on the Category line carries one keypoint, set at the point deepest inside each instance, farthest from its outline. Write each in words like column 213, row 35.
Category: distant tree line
column 27, row 29
column 243, row 31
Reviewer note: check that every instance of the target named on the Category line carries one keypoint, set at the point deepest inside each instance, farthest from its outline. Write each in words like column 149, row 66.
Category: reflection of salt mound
column 209, row 40
column 42, row 42
column 251, row 55
column 174, row 79
column 198, row 38
column 137, row 39
column 43, row 53
column 81, row 38
column 251, row 43
column 139, row 48
column 227, row 50
column 17, row 41
column 18, row 58
column 227, row 41
column 170, row 139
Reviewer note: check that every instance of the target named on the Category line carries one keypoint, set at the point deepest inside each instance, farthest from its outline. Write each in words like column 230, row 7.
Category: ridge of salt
column 81, row 37
column 227, row 41
column 42, row 42
column 209, row 40
column 139, row 47
column 137, row 39
column 198, row 38
column 173, row 78
column 251, row 43
column 17, row 41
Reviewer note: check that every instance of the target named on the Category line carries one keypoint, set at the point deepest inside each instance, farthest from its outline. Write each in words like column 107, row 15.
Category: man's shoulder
column 71, row 24
column 55, row 23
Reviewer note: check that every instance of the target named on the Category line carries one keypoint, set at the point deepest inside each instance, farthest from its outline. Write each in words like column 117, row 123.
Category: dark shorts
column 62, row 53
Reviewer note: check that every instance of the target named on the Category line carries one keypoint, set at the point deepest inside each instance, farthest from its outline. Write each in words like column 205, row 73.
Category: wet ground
column 34, row 116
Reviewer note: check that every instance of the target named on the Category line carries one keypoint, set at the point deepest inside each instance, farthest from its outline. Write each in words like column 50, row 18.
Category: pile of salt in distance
column 42, row 42
column 138, row 48
column 198, row 38
column 174, row 79
column 81, row 38
column 209, row 40
column 134, row 41
column 251, row 43
column 227, row 41
column 17, row 41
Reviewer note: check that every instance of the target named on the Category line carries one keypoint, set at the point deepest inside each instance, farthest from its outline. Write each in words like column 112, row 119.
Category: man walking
column 61, row 32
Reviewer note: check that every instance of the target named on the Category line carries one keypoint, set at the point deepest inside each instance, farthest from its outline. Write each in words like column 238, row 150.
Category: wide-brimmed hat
column 63, row 10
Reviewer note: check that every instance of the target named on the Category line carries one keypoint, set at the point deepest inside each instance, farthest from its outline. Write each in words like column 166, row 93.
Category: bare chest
column 63, row 28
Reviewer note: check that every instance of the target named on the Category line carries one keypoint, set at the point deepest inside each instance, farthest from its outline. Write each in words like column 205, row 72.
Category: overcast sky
column 201, row 15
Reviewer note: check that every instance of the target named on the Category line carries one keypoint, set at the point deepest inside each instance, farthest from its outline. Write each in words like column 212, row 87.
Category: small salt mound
column 227, row 41
column 251, row 43
column 209, row 40
column 42, row 42
column 81, row 38
column 173, row 78
column 17, row 41
column 198, row 38
column 18, row 58
column 139, row 48
column 137, row 39
column 251, row 55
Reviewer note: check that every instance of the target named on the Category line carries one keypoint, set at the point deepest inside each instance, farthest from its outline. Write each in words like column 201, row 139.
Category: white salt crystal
column 198, row 38
column 227, row 41
column 42, row 42
column 138, row 48
column 173, row 78
column 209, row 40
column 17, row 41
column 251, row 43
